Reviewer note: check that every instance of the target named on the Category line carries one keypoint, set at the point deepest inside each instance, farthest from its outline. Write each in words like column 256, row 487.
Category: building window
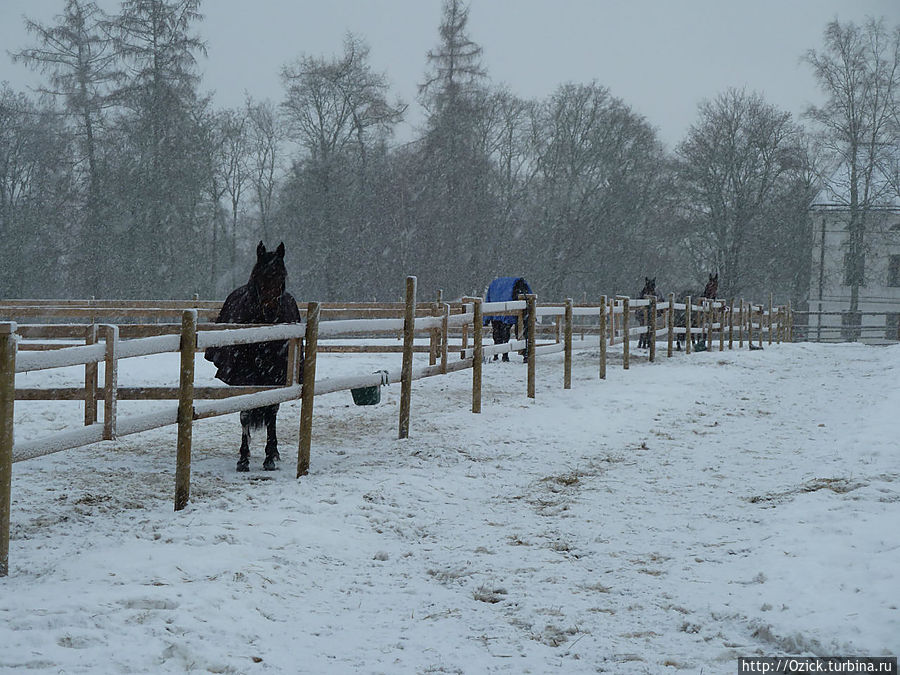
column 862, row 271
column 893, row 270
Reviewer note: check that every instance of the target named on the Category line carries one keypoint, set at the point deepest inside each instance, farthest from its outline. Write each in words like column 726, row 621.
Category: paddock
column 676, row 515
column 718, row 321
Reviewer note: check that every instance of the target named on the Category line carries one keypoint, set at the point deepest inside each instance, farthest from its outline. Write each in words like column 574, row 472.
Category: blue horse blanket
column 505, row 289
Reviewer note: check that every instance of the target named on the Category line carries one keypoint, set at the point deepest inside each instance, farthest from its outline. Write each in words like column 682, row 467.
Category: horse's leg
column 270, row 413
column 496, row 334
column 243, row 463
column 504, row 339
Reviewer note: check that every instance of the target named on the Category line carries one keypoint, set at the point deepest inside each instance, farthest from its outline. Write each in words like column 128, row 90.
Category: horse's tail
column 257, row 418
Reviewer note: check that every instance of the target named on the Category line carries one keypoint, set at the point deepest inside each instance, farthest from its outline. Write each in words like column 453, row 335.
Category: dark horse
column 261, row 300
column 649, row 291
column 505, row 289
column 709, row 292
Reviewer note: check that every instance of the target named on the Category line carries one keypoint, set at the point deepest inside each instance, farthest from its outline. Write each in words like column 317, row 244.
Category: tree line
column 120, row 178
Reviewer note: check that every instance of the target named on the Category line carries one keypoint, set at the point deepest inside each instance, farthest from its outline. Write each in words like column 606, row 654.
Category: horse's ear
column 280, row 250
column 260, row 249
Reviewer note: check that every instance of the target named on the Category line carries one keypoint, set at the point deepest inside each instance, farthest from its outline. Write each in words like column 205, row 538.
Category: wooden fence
column 29, row 347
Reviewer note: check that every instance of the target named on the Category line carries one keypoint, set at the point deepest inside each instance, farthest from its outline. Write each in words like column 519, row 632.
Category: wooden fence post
column 531, row 341
column 308, row 387
column 435, row 333
column 611, row 324
column 626, row 337
column 111, row 382
column 779, row 323
column 721, row 314
column 708, row 315
column 602, row 329
column 771, row 316
column 188, row 349
column 477, row 354
column 409, row 326
column 741, row 322
column 567, row 333
column 790, row 323
column 290, row 377
column 652, row 328
column 90, row 380
column 750, row 324
column 445, row 336
column 762, row 318
column 688, row 337
column 7, row 405
column 670, row 320
column 731, row 324
column 520, row 319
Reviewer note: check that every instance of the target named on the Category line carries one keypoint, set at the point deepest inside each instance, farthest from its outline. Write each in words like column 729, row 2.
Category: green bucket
column 370, row 395
column 366, row 395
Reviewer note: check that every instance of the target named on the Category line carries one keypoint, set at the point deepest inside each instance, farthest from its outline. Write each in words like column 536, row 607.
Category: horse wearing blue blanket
column 505, row 289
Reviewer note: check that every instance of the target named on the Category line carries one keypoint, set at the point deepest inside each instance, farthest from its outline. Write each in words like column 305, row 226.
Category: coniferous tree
column 78, row 54
column 453, row 192
column 161, row 179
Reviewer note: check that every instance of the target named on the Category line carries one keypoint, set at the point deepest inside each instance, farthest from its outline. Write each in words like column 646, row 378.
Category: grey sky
column 661, row 56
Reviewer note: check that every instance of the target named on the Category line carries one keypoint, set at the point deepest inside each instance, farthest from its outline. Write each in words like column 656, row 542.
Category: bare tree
column 335, row 104
column 601, row 170
column 264, row 148
column 735, row 161
column 859, row 72
column 233, row 171
column 35, row 197
column 337, row 110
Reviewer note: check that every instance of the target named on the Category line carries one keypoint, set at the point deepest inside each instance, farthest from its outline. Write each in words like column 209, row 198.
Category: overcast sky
column 662, row 57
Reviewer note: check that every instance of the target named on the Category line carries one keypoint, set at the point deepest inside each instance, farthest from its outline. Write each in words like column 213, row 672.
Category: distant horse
column 505, row 289
column 261, row 300
column 709, row 292
column 649, row 291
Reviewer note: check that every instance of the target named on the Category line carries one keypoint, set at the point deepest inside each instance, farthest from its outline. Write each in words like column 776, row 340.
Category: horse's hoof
column 243, row 464
column 269, row 464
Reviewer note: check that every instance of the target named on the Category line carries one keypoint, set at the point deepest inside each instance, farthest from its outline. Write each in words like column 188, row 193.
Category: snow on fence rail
column 612, row 317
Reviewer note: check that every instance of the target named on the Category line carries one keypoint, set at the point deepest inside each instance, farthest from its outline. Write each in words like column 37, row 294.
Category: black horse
column 649, row 291
column 505, row 289
column 709, row 292
column 261, row 300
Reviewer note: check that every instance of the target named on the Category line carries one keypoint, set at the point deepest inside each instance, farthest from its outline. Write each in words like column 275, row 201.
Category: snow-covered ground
column 673, row 517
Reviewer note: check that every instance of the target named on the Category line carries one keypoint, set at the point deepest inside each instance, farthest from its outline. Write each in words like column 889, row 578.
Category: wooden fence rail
column 439, row 321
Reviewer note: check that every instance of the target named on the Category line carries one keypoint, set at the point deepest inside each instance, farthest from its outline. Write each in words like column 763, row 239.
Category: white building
column 829, row 296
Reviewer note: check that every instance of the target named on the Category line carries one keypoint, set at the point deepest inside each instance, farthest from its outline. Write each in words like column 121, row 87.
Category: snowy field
column 671, row 518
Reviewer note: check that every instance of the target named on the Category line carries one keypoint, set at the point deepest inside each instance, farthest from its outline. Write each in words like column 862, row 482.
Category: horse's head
column 712, row 286
column 649, row 289
column 268, row 276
